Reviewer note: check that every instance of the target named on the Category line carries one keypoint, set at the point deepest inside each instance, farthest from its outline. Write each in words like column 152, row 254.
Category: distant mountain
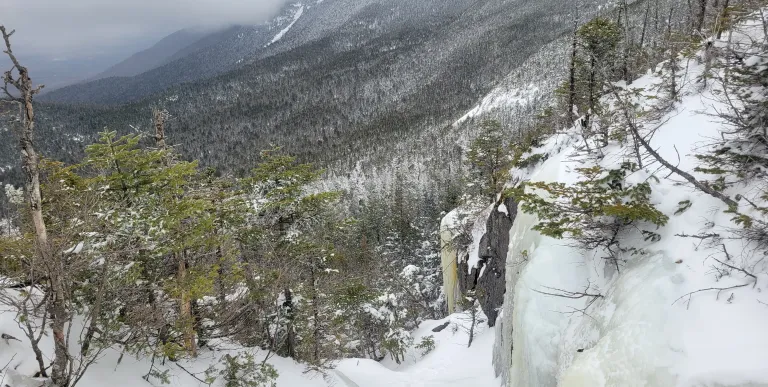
column 184, row 56
column 162, row 52
column 353, row 85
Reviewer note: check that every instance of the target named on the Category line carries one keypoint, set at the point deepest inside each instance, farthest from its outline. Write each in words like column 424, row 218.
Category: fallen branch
column 719, row 290
column 685, row 175
column 568, row 294
column 192, row 374
column 737, row 269
column 699, row 236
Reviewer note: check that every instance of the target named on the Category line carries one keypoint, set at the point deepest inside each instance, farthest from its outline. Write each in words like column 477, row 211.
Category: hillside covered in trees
column 284, row 215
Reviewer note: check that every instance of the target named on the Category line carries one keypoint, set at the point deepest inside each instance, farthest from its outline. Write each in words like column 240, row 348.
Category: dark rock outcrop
column 487, row 280
column 440, row 327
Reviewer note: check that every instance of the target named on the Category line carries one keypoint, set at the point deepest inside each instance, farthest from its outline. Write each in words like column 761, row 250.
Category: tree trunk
column 95, row 310
column 645, row 26
column 721, row 18
column 29, row 162
column 159, row 117
column 591, row 105
column 656, row 20
column 290, row 339
column 315, row 318
column 185, row 311
column 572, row 77
column 627, row 44
column 701, row 15
column 60, row 372
column 672, row 59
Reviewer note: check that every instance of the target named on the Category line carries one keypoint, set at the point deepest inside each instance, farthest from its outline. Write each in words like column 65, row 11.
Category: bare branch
column 685, row 175
column 192, row 374
column 706, row 290
column 699, row 236
column 568, row 294
column 737, row 269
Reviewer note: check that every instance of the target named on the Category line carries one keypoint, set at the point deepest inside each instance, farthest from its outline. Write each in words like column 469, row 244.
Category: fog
column 62, row 29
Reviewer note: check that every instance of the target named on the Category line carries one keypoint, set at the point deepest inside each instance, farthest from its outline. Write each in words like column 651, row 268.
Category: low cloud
column 89, row 27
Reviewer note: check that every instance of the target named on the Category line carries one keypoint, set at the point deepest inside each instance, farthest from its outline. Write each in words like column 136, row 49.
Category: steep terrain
column 346, row 85
column 677, row 310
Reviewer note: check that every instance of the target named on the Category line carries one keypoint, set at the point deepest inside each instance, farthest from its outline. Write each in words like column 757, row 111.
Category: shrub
column 426, row 345
column 595, row 210
column 242, row 370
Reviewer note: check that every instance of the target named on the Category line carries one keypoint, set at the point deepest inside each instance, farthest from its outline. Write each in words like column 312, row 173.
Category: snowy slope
column 654, row 326
column 450, row 364
column 125, row 371
column 296, row 16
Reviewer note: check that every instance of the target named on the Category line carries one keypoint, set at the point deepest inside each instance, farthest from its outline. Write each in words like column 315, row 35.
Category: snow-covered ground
column 450, row 364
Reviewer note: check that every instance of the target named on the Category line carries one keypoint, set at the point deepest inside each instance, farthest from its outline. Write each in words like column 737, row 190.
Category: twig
column 699, row 236
column 706, row 290
column 727, row 256
column 192, row 374
column 568, row 294
column 737, row 269
column 678, row 162
column 5, row 368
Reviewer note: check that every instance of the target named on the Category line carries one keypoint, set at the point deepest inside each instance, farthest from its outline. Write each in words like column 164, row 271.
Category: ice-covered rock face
column 629, row 339
column 448, row 260
column 673, row 316
column 523, row 241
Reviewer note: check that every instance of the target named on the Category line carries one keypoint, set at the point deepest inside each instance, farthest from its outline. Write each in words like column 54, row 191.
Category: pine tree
column 599, row 41
column 489, row 161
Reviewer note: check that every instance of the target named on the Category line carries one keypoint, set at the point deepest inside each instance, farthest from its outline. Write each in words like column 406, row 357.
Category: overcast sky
column 88, row 27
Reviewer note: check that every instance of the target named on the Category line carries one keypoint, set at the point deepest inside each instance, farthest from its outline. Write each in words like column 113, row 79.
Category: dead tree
column 673, row 65
column 700, row 17
column 572, row 75
column 159, row 117
column 52, row 264
column 645, row 27
column 723, row 13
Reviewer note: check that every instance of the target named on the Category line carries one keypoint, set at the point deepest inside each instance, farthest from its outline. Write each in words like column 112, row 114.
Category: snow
column 650, row 327
column 450, row 364
column 285, row 30
column 500, row 97
column 76, row 249
column 647, row 329
column 116, row 370
column 478, row 230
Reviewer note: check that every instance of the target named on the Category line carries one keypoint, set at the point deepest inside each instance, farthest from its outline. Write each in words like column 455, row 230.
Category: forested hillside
column 353, row 91
column 600, row 173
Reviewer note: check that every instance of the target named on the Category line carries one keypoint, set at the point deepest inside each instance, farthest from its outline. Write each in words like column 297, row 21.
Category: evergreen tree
column 489, row 161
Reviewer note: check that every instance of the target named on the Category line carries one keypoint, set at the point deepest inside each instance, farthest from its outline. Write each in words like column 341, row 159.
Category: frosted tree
column 489, row 161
